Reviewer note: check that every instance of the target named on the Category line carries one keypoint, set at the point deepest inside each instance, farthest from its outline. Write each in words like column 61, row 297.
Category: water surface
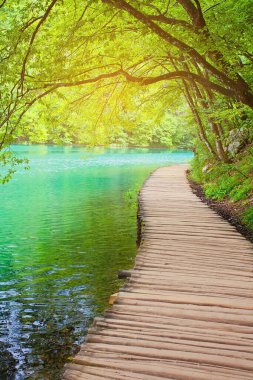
column 66, row 227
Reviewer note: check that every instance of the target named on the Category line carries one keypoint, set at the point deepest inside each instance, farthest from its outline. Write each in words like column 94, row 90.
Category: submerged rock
column 7, row 363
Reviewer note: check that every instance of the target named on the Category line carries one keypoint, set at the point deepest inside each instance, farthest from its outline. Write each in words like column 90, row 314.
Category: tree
column 76, row 52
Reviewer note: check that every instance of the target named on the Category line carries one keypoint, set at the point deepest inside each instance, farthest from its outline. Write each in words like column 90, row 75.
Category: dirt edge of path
column 224, row 208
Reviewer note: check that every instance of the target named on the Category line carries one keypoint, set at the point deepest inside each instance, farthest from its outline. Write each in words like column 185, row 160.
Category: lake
column 67, row 226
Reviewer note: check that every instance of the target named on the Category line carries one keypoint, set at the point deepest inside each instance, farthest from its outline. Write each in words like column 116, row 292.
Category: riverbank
column 229, row 211
column 227, row 188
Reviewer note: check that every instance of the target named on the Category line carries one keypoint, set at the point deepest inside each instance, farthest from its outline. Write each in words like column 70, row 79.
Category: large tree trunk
column 215, row 127
column 193, row 108
column 202, row 132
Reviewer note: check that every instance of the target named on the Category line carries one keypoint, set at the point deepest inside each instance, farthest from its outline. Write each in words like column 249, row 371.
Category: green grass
column 248, row 217
column 232, row 182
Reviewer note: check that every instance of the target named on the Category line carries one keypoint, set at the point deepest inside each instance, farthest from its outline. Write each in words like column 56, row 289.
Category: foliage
column 43, row 125
column 131, row 197
column 129, row 72
column 8, row 165
column 232, row 182
column 248, row 217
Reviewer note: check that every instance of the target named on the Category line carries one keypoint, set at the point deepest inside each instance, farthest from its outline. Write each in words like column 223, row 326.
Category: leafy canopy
column 97, row 71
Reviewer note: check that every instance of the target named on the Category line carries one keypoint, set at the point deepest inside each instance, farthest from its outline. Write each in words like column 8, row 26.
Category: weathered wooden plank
column 167, row 329
column 169, row 346
column 190, row 339
column 179, row 370
column 160, row 354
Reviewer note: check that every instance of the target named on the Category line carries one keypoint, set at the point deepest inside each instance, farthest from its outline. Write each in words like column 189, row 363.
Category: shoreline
column 102, row 146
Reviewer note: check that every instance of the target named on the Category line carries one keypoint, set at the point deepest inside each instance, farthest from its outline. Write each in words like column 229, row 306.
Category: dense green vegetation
column 41, row 127
column 133, row 73
column 228, row 181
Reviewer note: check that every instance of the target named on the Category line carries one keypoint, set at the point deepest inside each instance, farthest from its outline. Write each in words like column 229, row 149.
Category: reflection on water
column 65, row 230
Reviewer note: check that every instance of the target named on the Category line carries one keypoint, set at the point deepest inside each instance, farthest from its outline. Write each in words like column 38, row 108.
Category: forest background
column 176, row 74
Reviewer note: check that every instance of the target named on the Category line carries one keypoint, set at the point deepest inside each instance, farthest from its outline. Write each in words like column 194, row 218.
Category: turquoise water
column 66, row 227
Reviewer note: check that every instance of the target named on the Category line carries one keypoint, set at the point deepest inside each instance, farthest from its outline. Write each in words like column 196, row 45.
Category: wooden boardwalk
column 187, row 310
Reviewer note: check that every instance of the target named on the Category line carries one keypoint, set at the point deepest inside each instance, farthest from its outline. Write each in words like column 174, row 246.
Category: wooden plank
column 186, row 312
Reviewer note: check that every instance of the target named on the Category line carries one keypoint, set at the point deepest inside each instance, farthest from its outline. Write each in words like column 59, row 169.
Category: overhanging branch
column 170, row 21
column 192, row 77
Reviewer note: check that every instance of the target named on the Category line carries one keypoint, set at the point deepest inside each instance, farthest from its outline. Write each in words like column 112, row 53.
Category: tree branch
column 43, row 18
column 182, row 46
column 192, row 77
column 29, row 23
column 2, row 4
column 170, row 21
column 213, row 6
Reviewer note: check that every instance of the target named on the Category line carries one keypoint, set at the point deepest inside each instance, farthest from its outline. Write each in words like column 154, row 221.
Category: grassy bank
column 228, row 184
